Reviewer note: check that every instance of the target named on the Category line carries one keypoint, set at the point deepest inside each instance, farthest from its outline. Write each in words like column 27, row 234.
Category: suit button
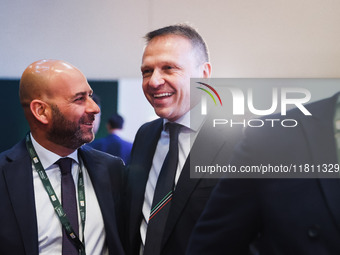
column 313, row 232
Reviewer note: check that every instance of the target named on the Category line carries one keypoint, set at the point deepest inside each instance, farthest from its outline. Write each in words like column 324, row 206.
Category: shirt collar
column 48, row 158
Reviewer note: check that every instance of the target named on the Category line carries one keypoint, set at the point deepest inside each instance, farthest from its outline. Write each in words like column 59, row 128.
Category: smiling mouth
column 163, row 95
column 89, row 124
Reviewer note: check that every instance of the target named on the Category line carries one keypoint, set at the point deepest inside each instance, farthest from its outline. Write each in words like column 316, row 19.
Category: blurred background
column 104, row 39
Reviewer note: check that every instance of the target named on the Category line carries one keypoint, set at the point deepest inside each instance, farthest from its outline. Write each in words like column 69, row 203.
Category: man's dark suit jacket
column 113, row 145
column 18, row 223
column 189, row 198
column 291, row 216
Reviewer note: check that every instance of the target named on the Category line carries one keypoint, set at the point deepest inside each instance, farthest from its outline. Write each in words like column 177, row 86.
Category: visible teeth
column 162, row 95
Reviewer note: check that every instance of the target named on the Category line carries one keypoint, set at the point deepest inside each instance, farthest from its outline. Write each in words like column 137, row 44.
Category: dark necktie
column 69, row 203
column 162, row 195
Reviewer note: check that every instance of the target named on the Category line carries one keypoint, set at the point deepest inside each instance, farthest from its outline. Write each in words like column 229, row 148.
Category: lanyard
column 55, row 201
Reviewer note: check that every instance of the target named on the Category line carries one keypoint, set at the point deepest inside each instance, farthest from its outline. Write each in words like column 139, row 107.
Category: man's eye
column 146, row 73
column 80, row 99
column 168, row 68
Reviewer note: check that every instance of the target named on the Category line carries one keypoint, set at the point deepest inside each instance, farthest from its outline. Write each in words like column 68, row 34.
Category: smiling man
column 169, row 61
column 161, row 224
column 49, row 174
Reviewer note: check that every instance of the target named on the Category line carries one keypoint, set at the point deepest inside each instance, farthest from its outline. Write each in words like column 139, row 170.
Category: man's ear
column 206, row 70
column 40, row 110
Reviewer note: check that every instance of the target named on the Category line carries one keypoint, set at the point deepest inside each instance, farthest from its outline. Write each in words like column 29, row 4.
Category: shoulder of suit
column 152, row 125
column 16, row 152
column 88, row 151
column 318, row 109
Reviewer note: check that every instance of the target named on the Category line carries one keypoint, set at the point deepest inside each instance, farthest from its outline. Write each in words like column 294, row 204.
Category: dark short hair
column 116, row 121
column 185, row 31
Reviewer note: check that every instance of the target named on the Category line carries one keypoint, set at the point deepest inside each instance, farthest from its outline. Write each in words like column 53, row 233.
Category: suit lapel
column 100, row 180
column 320, row 134
column 102, row 185
column 19, row 179
column 204, row 151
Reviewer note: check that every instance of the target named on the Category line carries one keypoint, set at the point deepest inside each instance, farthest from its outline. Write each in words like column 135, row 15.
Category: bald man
column 57, row 102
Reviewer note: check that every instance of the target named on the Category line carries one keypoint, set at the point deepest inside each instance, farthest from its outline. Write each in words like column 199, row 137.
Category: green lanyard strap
column 55, row 201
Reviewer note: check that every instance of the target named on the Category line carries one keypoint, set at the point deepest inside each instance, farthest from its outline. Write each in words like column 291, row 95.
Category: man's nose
column 92, row 106
column 156, row 79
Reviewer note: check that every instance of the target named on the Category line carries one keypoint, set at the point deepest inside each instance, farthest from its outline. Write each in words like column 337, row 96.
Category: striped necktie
column 163, row 195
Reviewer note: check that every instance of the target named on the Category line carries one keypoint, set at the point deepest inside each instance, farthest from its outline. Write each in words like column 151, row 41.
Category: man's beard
column 67, row 133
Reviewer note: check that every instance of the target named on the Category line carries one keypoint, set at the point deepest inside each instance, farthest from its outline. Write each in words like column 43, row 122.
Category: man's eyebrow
column 81, row 94
column 144, row 67
column 162, row 63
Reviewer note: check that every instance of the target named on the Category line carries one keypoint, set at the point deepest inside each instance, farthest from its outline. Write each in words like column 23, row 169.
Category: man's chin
column 89, row 138
column 162, row 112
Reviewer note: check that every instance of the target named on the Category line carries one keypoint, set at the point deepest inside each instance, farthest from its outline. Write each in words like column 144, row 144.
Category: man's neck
column 55, row 148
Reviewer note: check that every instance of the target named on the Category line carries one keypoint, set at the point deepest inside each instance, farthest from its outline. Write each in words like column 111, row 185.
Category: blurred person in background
column 112, row 143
